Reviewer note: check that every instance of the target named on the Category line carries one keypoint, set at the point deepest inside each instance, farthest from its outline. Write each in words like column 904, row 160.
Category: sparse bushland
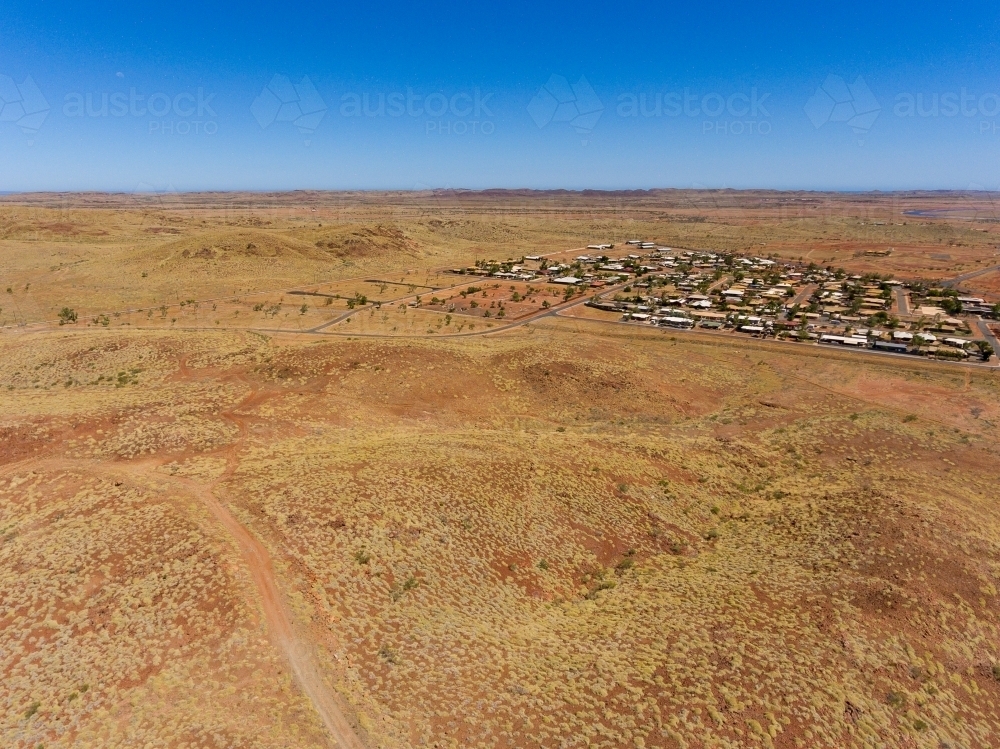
column 557, row 535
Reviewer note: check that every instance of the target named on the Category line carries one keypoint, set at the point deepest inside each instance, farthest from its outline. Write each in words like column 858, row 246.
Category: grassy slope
column 568, row 531
column 557, row 534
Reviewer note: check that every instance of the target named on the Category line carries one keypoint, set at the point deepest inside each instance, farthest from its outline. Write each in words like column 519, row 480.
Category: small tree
column 67, row 315
column 985, row 349
column 951, row 305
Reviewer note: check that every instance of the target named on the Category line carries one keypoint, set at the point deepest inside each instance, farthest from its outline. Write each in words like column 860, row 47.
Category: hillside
column 563, row 533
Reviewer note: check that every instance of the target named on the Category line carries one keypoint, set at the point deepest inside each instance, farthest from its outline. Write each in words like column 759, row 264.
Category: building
column 677, row 322
column 895, row 348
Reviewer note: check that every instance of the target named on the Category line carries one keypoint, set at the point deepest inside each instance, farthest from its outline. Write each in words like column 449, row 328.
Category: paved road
column 984, row 328
column 554, row 309
column 902, row 301
column 724, row 280
column 733, row 336
column 966, row 276
column 803, row 296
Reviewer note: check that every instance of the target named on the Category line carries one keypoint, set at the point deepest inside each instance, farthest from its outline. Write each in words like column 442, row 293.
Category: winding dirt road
column 301, row 655
column 297, row 649
column 299, row 652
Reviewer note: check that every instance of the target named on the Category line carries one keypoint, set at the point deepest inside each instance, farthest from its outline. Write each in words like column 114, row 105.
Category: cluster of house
column 765, row 297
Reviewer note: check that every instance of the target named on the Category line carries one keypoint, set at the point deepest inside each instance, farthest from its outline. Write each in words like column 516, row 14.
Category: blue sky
column 184, row 96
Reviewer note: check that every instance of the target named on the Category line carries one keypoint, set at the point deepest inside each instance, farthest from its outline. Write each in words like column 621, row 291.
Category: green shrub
column 602, row 585
column 388, row 654
column 625, row 565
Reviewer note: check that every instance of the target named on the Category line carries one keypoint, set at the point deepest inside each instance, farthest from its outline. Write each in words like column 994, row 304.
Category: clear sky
column 181, row 96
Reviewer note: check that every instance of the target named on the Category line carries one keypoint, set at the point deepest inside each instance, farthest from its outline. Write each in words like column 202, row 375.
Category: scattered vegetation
column 675, row 564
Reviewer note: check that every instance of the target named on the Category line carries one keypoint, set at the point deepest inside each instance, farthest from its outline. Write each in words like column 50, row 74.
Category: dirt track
column 299, row 653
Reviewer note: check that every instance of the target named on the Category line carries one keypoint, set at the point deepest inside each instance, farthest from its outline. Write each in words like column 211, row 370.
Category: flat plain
column 235, row 515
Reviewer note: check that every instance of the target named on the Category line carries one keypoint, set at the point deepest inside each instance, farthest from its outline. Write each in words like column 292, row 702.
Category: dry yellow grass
column 99, row 254
column 566, row 534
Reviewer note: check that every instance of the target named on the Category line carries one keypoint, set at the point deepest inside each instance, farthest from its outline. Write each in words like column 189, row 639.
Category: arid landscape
column 269, row 479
